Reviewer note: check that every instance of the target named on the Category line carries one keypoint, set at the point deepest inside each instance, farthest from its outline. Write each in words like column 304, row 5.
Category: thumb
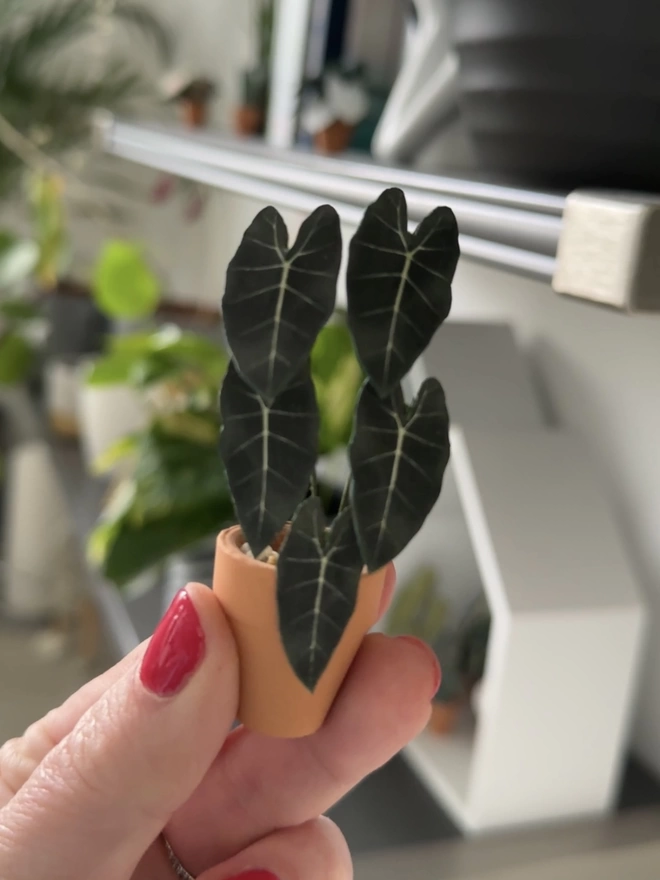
column 104, row 793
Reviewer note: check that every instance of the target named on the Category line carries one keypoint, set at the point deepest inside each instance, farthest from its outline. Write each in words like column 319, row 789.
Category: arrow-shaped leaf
column 318, row 573
column 276, row 300
column 398, row 285
column 269, row 453
column 398, row 458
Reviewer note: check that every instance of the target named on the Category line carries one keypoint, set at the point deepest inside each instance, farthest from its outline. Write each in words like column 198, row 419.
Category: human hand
column 146, row 748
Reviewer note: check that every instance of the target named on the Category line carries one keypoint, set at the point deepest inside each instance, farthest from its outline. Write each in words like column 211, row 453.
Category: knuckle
column 16, row 765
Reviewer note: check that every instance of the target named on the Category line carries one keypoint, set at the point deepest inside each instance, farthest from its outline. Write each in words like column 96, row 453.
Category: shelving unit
column 514, row 229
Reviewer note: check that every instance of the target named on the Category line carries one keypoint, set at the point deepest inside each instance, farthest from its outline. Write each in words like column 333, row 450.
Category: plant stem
column 313, row 484
column 346, row 493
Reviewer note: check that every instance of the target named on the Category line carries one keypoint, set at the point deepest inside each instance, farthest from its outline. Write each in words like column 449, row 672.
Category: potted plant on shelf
column 168, row 495
column 251, row 113
column 192, row 95
column 300, row 595
column 333, row 107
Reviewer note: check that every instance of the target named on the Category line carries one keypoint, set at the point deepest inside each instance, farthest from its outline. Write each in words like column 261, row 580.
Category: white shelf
column 443, row 763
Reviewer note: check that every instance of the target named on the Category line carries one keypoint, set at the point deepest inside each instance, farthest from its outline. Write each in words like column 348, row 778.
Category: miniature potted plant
column 300, row 595
column 336, row 104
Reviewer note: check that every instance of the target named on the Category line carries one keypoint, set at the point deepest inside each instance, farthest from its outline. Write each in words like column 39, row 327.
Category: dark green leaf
column 134, row 548
column 398, row 285
column 398, row 459
column 277, row 300
column 16, row 358
column 318, row 573
column 269, row 453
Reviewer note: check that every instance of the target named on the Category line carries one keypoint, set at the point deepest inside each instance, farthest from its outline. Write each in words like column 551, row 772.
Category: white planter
column 39, row 577
column 106, row 413
column 61, row 393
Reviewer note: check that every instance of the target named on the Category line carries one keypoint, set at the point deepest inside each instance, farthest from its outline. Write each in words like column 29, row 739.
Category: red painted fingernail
column 430, row 654
column 176, row 648
column 255, row 875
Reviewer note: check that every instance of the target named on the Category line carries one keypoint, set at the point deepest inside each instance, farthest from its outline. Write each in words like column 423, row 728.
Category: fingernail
column 255, row 875
column 430, row 655
column 175, row 650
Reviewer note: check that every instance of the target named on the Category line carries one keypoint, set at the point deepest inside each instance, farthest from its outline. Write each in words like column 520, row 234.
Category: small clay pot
column 194, row 113
column 272, row 699
column 335, row 138
column 248, row 121
column 444, row 717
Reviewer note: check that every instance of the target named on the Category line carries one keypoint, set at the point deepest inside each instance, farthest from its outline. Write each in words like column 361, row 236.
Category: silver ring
column 177, row 867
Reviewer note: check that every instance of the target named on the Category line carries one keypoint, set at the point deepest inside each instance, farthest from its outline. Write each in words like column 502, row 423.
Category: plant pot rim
column 232, row 539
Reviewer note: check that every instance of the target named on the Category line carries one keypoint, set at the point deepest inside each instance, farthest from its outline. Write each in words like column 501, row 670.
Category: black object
column 76, row 326
column 563, row 93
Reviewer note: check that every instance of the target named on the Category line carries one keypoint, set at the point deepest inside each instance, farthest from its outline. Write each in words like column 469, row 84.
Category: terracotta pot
column 444, row 717
column 272, row 699
column 194, row 113
column 248, row 120
column 335, row 138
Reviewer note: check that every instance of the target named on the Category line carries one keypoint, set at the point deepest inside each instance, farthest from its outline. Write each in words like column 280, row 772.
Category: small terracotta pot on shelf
column 248, row 120
column 194, row 112
column 445, row 717
column 272, row 699
column 335, row 138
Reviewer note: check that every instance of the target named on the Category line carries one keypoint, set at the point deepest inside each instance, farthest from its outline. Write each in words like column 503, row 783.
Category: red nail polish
column 255, row 875
column 430, row 654
column 175, row 650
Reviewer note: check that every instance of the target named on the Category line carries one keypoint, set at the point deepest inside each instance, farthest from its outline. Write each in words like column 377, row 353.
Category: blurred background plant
column 169, row 492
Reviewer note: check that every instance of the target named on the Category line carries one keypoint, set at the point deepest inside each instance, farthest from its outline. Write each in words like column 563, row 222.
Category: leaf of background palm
column 398, row 458
column 150, row 25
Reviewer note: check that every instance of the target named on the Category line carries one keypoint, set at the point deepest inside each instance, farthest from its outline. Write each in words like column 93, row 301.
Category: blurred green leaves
column 124, row 285
column 337, row 379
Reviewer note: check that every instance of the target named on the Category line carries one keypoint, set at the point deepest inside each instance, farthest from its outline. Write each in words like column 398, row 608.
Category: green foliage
column 337, row 379
column 18, row 259
column 124, row 286
column 16, row 358
column 51, row 104
column 418, row 608
column 175, row 496
column 145, row 359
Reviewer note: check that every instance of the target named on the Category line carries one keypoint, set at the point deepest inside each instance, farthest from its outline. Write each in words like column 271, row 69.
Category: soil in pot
column 272, row 699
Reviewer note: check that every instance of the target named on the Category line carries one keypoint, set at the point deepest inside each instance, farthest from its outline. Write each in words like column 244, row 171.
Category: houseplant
column 251, row 113
column 300, row 596
column 173, row 378
column 333, row 106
